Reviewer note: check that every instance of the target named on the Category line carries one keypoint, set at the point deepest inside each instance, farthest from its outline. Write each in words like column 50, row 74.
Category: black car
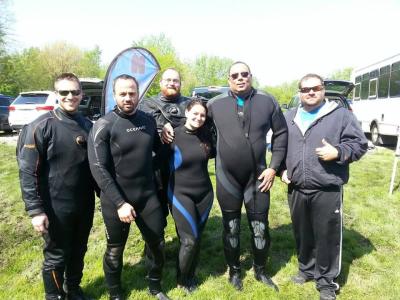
column 5, row 102
column 335, row 90
column 208, row 92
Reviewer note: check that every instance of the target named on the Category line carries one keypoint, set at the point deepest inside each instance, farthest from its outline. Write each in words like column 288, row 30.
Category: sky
column 280, row 40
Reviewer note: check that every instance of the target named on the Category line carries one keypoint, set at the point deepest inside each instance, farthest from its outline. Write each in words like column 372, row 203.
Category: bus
column 376, row 99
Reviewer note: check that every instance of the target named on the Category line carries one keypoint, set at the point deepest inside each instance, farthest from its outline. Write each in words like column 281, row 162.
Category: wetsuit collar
column 189, row 131
column 175, row 99
column 120, row 113
column 245, row 96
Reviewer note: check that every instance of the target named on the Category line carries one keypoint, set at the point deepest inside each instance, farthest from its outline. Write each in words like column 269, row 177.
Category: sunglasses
column 66, row 92
column 316, row 88
column 236, row 75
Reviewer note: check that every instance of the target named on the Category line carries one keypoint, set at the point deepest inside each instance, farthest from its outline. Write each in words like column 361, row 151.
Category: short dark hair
column 196, row 101
column 125, row 77
column 237, row 63
column 308, row 76
column 67, row 76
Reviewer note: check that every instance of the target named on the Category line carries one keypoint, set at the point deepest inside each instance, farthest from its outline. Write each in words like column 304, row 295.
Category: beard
column 170, row 93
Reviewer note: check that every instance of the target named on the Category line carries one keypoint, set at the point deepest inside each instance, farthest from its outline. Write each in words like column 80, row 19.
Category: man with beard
column 58, row 189
column 120, row 155
column 242, row 119
column 324, row 138
column 168, row 109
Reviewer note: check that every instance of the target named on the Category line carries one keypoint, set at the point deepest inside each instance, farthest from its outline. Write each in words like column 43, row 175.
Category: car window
column 4, row 101
column 31, row 99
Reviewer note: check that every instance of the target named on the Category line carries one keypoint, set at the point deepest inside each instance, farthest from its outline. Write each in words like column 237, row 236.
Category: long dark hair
column 203, row 133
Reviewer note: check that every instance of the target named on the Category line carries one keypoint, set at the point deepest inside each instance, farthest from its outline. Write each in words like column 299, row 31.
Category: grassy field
column 371, row 247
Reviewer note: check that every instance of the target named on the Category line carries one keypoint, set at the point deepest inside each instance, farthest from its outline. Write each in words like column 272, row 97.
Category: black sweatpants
column 317, row 225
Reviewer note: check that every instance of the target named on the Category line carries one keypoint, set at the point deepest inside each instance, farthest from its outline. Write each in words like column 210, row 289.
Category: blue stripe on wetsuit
column 175, row 164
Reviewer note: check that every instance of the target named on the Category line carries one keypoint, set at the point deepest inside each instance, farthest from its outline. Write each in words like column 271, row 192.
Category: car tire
column 376, row 138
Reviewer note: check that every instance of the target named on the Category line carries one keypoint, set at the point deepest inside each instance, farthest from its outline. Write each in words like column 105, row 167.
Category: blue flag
column 135, row 61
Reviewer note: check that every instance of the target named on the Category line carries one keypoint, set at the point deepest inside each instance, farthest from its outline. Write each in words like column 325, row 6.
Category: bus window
column 395, row 80
column 357, row 88
column 383, row 82
column 373, row 75
column 365, row 86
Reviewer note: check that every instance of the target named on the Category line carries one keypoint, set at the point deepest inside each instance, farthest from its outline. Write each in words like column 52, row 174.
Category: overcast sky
column 280, row 40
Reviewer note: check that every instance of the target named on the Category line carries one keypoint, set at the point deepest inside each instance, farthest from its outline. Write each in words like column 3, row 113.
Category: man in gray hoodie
column 324, row 138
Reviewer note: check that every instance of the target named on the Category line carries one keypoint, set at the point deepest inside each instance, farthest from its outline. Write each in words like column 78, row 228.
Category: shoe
column 327, row 294
column 76, row 294
column 236, row 281
column 189, row 285
column 161, row 296
column 267, row 281
column 117, row 297
column 259, row 274
column 300, row 278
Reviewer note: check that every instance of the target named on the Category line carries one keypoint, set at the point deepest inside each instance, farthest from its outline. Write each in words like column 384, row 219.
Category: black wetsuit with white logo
column 242, row 125
column 120, row 154
column 55, row 179
column 190, row 193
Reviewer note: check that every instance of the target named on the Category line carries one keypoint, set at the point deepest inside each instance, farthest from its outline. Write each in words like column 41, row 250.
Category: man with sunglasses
column 242, row 119
column 58, row 189
column 324, row 138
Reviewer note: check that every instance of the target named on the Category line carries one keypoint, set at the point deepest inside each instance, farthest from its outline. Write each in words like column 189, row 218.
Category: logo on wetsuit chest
column 134, row 129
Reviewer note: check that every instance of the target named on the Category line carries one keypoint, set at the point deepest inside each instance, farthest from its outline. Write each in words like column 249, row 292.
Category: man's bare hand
column 285, row 178
column 40, row 223
column 267, row 179
column 167, row 134
column 126, row 213
column 327, row 152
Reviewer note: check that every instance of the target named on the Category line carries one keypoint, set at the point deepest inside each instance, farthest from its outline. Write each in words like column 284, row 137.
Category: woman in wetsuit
column 190, row 191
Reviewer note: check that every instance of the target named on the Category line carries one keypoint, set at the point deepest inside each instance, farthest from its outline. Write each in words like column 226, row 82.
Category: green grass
column 371, row 248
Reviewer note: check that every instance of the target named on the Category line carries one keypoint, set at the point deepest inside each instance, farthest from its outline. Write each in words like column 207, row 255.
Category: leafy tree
column 161, row 47
column 35, row 68
column 211, row 70
column 343, row 74
column 283, row 92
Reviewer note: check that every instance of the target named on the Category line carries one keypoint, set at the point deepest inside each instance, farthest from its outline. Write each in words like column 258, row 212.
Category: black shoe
column 189, row 285
column 117, row 297
column 236, row 281
column 300, row 278
column 266, row 280
column 327, row 294
column 76, row 294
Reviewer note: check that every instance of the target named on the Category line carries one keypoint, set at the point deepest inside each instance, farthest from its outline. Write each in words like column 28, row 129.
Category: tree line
column 34, row 68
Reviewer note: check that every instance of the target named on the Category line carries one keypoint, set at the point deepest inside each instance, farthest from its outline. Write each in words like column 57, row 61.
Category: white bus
column 376, row 99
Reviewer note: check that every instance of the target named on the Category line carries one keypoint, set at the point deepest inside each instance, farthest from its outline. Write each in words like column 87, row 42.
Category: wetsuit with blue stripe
column 190, row 194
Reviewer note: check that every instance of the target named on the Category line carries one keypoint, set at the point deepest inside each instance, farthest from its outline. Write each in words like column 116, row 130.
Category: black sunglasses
column 236, row 75
column 316, row 88
column 66, row 92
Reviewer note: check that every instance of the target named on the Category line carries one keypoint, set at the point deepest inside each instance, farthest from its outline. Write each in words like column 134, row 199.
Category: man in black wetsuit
column 168, row 109
column 120, row 155
column 242, row 119
column 58, row 189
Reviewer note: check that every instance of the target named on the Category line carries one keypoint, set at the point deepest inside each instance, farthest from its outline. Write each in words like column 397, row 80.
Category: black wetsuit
column 190, row 194
column 120, row 155
column 165, row 111
column 55, row 180
column 240, row 159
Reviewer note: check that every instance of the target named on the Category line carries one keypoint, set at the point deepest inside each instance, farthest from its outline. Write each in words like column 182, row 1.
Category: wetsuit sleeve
column 279, row 138
column 100, row 161
column 32, row 146
column 353, row 144
column 149, row 106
